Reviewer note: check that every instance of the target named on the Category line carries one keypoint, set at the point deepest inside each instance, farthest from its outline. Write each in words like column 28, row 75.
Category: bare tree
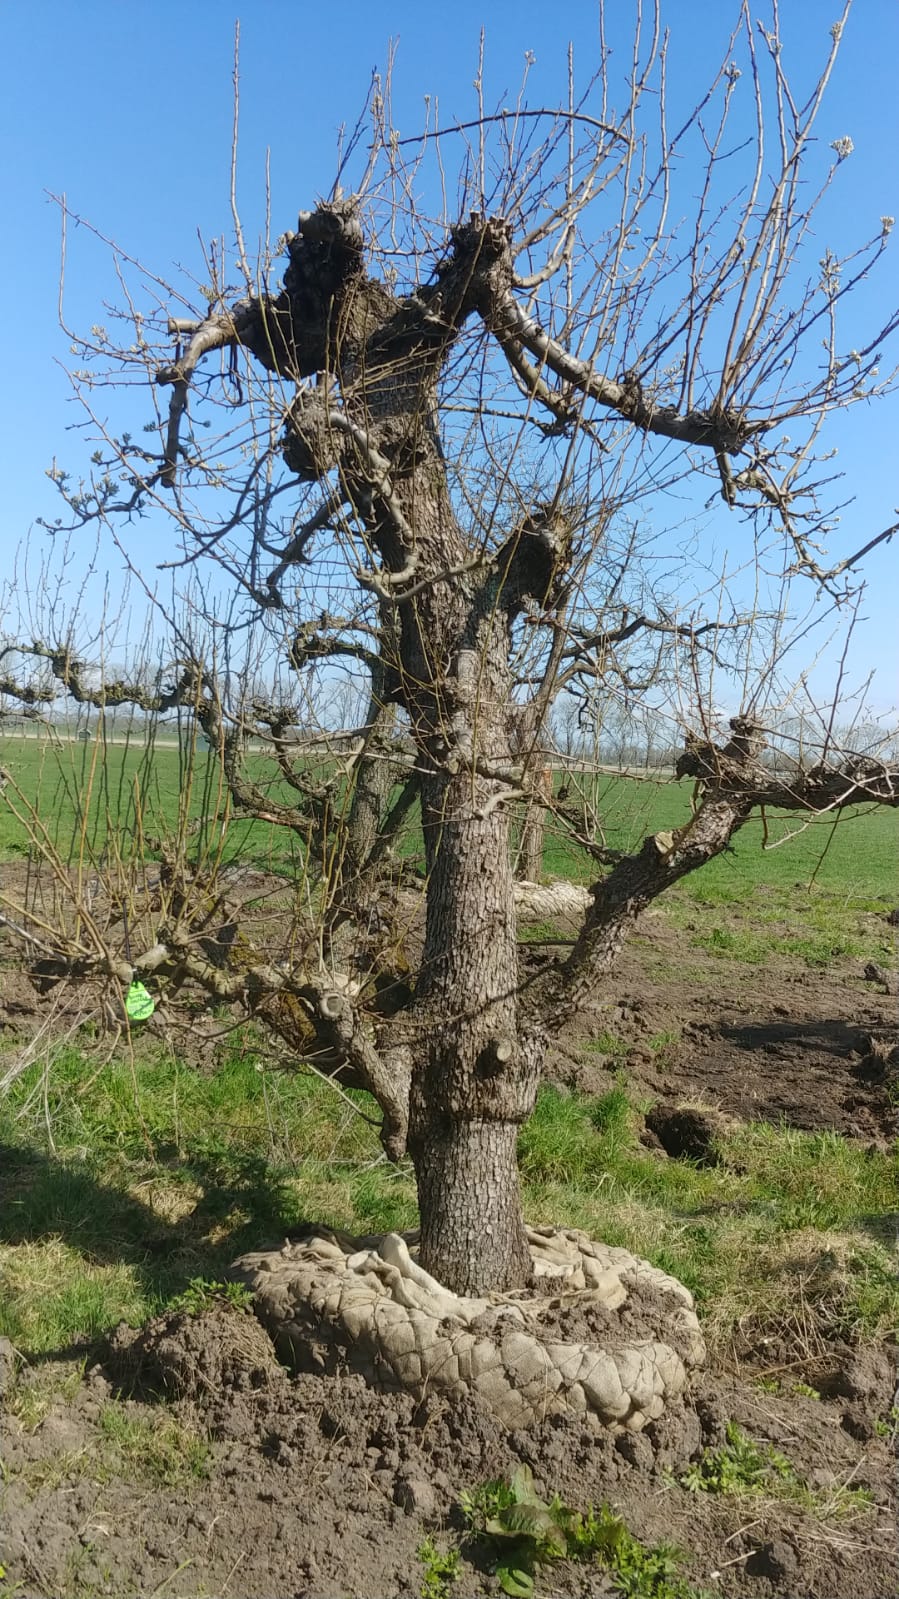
column 441, row 440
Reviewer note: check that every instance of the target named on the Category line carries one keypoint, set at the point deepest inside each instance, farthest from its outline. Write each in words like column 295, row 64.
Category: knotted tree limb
column 710, row 429
column 69, row 672
column 731, row 785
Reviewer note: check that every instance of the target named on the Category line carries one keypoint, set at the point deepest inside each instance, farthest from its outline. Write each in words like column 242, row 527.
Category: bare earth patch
column 322, row 1485
column 776, row 1041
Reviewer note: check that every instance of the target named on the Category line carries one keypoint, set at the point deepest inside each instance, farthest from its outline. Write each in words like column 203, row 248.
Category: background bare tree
column 435, row 442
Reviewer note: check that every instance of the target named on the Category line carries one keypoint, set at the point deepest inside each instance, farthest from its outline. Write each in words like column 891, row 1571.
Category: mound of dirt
column 370, row 1306
column 322, row 1486
column 224, row 1350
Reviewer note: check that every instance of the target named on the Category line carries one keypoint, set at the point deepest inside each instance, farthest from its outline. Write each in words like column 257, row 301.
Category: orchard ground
column 729, row 1112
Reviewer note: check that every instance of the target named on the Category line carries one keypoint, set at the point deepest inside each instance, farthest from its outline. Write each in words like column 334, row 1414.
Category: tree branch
column 731, row 785
column 718, row 431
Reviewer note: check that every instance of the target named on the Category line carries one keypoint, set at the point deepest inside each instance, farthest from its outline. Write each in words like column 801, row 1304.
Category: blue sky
column 127, row 108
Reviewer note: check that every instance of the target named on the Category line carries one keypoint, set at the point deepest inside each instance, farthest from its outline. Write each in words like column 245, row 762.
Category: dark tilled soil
column 322, row 1486
column 780, row 1042
column 648, row 1313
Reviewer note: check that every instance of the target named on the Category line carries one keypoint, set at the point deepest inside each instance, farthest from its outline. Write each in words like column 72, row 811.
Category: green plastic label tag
column 139, row 1005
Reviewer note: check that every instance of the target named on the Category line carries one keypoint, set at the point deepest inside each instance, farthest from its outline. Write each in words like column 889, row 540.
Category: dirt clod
column 864, row 1375
column 778, row 1560
column 194, row 1356
column 417, row 1495
column 858, row 1421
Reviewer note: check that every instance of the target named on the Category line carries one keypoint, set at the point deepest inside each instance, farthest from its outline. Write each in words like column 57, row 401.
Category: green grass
column 744, row 1467
column 523, row 1532
column 608, row 1043
column 160, row 1451
column 786, row 1220
column 858, row 857
column 89, row 800
column 816, row 924
column 31, row 1400
column 160, row 1174
column 91, row 791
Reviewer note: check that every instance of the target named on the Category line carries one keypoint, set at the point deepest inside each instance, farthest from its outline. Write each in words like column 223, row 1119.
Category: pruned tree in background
column 440, row 441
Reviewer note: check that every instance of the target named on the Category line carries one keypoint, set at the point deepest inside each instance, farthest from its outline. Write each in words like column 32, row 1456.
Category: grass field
column 118, row 1189
column 79, row 796
column 82, row 793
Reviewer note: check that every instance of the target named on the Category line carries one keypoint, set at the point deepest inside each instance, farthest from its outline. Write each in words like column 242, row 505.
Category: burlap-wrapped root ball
column 601, row 1333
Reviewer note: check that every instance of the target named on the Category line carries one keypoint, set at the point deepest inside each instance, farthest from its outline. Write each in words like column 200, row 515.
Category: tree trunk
column 472, row 1233
column 475, row 1078
column 475, row 1074
column 373, row 786
column 533, row 829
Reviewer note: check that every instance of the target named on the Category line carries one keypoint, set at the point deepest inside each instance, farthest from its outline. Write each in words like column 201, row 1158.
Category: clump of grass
column 159, row 1452
column 8, row 1587
column 819, row 1180
column 742, row 1466
column 34, row 1394
column 200, row 1295
column 162, row 1452
column 778, row 1232
column 751, row 910
column 804, row 1390
column 525, row 1532
column 739, row 1465
column 818, row 949
column 664, row 1042
column 159, row 1174
column 734, row 944
column 441, row 1567
column 56, row 1295
column 540, row 933
column 53, row 1471
column 608, row 1043
column 888, row 1426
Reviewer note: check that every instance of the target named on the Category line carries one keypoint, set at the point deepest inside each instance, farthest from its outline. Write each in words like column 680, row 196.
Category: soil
column 319, row 1486
column 648, row 1313
column 813, row 1048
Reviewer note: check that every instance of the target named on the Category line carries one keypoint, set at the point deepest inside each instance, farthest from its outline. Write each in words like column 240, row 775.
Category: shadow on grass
column 232, row 1203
